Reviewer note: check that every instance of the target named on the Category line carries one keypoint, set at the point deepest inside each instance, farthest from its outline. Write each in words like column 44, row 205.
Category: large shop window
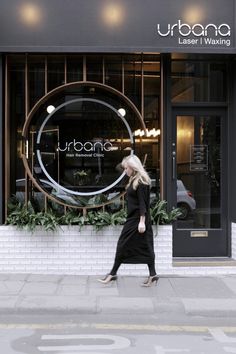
column 198, row 80
column 71, row 121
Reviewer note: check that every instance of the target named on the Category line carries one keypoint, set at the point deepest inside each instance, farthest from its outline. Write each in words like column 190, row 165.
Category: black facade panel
column 118, row 26
column 232, row 148
column 1, row 137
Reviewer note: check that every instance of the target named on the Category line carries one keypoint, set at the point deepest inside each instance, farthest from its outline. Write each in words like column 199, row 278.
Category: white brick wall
column 70, row 251
column 233, row 240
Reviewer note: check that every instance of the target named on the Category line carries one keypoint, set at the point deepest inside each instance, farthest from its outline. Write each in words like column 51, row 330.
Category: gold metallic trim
column 34, row 110
column 7, row 136
column 49, row 196
column 81, row 83
column 26, row 87
column 103, row 70
column 142, row 88
column 123, row 76
column 46, row 75
column 26, row 113
column 84, row 68
column 65, row 69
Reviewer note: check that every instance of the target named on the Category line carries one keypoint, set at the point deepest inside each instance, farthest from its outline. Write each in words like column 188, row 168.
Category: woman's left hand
column 141, row 227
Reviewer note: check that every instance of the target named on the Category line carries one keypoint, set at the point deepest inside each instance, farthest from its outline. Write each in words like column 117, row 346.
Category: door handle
column 173, row 165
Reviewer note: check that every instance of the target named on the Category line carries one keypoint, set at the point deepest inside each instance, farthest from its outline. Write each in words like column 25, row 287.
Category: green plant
column 47, row 219
column 73, row 217
column 160, row 214
column 103, row 218
column 69, row 218
column 23, row 216
column 18, row 215
column 81, row 176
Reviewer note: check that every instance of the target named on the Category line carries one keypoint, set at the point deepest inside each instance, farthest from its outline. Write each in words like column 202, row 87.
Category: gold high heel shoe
column 108, row 278
column 150, row 281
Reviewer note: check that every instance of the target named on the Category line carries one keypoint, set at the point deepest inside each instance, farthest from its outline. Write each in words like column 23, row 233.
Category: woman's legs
column 115, row 267
column 151, row 267
column 153, row 278
column 112, row 275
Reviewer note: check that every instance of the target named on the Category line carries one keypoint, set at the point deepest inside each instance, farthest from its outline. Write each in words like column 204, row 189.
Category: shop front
column 149, row 81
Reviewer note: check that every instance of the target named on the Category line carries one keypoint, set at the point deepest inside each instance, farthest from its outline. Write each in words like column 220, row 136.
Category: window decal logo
column 77, row 148
column 87, row 146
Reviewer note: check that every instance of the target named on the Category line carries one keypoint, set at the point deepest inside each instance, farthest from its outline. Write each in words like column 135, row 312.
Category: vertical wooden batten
column 26, row 114
column 103, row 70
column 65, row 69
column 45, row 75
column 7, row 136
column 142, row 88
column 84, row 68
column 123, row 76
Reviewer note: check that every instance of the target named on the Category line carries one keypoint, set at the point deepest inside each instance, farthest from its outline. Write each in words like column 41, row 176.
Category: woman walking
column 135, row 244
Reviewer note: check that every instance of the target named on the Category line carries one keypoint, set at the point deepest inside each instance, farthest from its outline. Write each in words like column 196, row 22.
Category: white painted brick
column 21, row 267
column 26, row 262
column 36, row 262
column 4, row 262
column 5, row 239
column 9, row 267
column 74, row 253
column 5, row 251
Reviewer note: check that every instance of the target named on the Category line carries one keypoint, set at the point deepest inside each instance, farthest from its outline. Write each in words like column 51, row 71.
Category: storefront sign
column 118, row 26
column 197, row 34
column 198, row 158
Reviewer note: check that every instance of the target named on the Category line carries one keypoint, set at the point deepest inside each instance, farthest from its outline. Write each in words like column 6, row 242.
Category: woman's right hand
column 141, row 227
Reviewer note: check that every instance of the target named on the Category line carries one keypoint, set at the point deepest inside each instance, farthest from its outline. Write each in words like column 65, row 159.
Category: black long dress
column 134, row 247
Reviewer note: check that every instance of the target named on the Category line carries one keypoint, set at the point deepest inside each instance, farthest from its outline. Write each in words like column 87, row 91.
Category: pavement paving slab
column 74, row 280
column 75, row 304
column 210, row 307
column 201, row 287
column 230, row 282
column 39, row 288
column 11, row 287
column 126, row 305
column 52, row 278
column 193, row 296
column 8, row 303
column 70, row 289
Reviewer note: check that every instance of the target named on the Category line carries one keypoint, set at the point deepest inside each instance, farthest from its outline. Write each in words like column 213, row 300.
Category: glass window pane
column 132, row 71
column 81, row 146
column 152, row 113
column 36, row 68
column 149, row 146
column 199, row 171
column 16, row 67
column 113, row 71
column 198, row 81
column 94, row 65
column 74, row 68
column 99, row 170
column 56, row 69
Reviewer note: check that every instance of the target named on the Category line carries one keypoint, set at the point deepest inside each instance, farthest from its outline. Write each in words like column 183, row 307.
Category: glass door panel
column 198, row 163
column 199, row 172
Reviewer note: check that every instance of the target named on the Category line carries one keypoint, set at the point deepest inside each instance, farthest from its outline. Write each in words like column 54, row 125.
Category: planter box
column 87, row 252
column 71, row 250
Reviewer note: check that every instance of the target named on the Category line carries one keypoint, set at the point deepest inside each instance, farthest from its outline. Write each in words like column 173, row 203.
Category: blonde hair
column 139, row 175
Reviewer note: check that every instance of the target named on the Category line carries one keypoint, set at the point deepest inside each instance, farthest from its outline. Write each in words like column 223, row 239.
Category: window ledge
column 204, row 262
